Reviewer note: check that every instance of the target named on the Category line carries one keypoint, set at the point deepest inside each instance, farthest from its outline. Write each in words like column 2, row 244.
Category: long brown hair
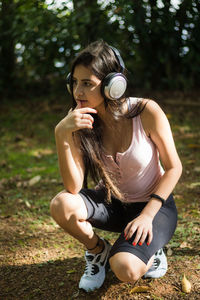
column 102, row 61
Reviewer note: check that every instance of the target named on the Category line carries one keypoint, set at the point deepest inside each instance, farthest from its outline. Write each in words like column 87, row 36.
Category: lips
column 82, row 102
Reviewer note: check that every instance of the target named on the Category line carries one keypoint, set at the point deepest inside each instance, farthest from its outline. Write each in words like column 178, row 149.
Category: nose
column 78, row 90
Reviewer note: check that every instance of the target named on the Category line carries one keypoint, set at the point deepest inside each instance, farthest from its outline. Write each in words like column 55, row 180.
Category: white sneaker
column 159, row 266
column 95, row 270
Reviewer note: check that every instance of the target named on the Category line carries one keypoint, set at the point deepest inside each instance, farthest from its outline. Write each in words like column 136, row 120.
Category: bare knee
column 62, row 207
column 127, row 270
column 125, row 273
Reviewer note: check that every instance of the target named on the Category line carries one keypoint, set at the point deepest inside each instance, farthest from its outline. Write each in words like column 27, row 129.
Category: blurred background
column 158, row 40
column 160, row 44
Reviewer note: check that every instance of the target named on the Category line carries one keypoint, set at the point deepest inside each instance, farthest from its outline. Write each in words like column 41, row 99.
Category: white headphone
column 114, row 85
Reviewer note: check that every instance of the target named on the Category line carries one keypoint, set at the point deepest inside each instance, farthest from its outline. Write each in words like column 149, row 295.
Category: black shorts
column 114, row 217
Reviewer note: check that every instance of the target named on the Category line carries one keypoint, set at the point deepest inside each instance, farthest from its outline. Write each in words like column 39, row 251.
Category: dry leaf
column 75, row 295
column 197, row 169
column 186, row 285
column 185, row 245
column 194, row 185
column 34, row 180
column 140, row 289
column 169, row 252
column 70, row 271
column 27, row 203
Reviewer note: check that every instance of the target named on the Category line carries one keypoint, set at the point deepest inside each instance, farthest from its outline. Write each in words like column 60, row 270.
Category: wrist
column 152, row 208
column 62, row 131
column 147, row 214
column 155, row 196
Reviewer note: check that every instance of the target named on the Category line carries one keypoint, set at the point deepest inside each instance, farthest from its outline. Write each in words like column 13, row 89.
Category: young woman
column 119, row 141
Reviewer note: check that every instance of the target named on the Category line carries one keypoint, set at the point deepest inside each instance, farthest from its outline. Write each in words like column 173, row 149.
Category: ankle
column 98, row 248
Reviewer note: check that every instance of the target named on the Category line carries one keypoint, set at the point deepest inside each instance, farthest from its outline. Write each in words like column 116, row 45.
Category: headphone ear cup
column 114, row 86
column 68, row 83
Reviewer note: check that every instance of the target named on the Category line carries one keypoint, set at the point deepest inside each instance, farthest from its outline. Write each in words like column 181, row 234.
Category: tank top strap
column 132, row 101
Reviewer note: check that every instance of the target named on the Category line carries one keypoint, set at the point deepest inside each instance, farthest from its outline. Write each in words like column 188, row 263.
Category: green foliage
column 160, row 43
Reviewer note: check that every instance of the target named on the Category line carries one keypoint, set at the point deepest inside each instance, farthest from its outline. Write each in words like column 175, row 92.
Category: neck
column 107, row 118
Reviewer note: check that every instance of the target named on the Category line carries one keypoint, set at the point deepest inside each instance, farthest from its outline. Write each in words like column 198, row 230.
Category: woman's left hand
column 142, row 225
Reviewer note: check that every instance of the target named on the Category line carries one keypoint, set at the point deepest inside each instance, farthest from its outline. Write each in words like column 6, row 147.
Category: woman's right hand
column 77, row 119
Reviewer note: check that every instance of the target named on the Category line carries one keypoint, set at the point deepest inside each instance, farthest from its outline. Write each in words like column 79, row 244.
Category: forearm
column 69, row 162
column 164, row 189
column 168, row 182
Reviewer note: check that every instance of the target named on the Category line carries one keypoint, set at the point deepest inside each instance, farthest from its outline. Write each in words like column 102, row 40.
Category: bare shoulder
column 151, row 110
column 151, row 107
column 152, row 116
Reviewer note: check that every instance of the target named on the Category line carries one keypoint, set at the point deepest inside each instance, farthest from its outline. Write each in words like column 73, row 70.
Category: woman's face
column 86, row 88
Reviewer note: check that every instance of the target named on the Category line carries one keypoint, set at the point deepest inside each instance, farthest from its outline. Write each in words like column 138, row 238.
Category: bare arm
column 69, row 154
column 157, row 128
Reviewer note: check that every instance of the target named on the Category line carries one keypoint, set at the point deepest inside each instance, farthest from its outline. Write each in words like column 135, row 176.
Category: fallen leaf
column 184, row 129
column 186, row 285
column 140, row 289
column 46, row 151
column 40, row 152
column 27, row 204
column 70, row 271
column 197, row 169
column 34, row 180
column 184, row 245
column 169, row 252
column 194, row 185
column 76, row 294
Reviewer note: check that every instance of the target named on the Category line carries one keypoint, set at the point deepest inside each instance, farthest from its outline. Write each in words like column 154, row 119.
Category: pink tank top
column 137, row 170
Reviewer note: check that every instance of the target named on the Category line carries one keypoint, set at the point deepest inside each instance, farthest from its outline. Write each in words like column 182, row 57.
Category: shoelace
column 88, row 267
column 91, row 269
column 156, row 263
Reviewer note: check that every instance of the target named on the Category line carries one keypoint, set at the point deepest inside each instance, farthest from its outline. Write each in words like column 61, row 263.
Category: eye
column 87, row 83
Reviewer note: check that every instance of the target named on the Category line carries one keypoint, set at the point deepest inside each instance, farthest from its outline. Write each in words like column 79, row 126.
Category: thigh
column 164, row 225
column 103, row 215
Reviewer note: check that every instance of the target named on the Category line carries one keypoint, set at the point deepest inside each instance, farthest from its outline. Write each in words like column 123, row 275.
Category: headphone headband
column 118, row 57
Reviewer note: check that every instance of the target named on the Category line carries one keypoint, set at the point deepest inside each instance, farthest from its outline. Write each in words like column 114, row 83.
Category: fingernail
column 140, row 244
column 148, row 244
column 134, row 244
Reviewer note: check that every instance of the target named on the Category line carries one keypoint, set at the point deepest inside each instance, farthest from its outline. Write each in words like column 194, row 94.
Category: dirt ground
column 39, row 261
column 49, row 266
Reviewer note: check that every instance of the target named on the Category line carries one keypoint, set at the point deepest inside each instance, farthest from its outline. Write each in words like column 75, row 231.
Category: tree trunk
column 7, row 54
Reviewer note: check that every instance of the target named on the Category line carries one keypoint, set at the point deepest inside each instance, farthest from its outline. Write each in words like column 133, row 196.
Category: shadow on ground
column 50, row 280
